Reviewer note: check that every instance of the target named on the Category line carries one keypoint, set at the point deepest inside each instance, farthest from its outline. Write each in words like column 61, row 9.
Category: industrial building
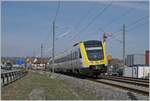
column 136, row 71
column 135, row 59
column 147, row 57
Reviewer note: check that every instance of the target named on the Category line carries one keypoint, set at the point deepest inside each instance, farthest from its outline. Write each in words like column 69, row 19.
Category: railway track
column 133, row 85
column 127, row 78
column 139, row 82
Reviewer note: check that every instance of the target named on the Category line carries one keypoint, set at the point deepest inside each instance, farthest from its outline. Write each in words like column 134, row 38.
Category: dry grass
column 55, row 89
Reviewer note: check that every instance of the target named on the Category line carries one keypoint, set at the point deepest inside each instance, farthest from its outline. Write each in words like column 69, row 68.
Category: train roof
column 68, row 51
column 88, row 42
column 91, row 41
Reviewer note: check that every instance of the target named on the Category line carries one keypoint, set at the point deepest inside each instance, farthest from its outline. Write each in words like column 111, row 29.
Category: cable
column 55, row 16
column 97, row 16
column 140, row 19
column 137, row 26
column 91, row 22
column 57, row 10
column 123, row 15
column 116, row 33
column 133, row 23
column 84, row 16
column 130, row 29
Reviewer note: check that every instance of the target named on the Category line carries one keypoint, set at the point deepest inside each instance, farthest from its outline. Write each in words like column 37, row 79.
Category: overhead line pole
column 53, row 53
column 124, row 45
column 41, row 50
column 53, row 49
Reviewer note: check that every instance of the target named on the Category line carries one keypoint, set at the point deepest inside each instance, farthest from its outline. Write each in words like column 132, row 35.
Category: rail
column 128, row 78
column 135, row 87
column 139, row 82
column 11, row 76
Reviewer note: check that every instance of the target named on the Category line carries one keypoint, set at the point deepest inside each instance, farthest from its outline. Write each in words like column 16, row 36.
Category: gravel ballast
column 100, row 91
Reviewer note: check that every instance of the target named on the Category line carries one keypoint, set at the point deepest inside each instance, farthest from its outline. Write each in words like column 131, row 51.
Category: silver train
column 87, row 57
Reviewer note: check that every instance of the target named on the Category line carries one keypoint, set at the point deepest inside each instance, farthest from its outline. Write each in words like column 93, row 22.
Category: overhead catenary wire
column 138, row 20
column 129, row 29
column 123, row 15
column 53, row 49
column 97, row 16
column 85, row 30
column 54, row 19
column 81, row 20
column 93, row 20
column 57, row 10
column 137, row 26
column 131, row 24
column 114, row 38
column 120, row 17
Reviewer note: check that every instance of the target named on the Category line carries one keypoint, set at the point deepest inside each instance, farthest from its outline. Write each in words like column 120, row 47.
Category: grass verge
column 54, row 89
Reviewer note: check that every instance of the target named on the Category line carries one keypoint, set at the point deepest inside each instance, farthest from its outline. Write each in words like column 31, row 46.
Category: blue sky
column 25, row 25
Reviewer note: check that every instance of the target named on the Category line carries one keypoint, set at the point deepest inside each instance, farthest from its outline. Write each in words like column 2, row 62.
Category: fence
column 10, row 76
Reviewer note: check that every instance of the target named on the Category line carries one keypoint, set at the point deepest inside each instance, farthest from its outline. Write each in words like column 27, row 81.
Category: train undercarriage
column 94, row 70
column 91, row 71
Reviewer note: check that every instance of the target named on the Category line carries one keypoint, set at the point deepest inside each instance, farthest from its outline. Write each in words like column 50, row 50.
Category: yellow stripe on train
column 85, row 62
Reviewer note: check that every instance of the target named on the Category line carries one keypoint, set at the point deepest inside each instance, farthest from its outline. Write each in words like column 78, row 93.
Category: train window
column 95, row 54
column 72, row 55
column 65, row 58
column 93, row 43
column 69, row 56
column 76, row 54
column 55, row 61
column 94, row 50
column 80, row 56
column 62, row 60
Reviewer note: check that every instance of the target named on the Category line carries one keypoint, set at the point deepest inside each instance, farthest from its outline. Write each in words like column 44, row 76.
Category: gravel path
column 101, row 91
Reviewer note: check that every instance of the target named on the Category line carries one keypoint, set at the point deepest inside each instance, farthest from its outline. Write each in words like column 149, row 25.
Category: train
column 86, row 57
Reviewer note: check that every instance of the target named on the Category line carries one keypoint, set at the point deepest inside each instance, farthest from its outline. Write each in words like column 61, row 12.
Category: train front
column 94, row 56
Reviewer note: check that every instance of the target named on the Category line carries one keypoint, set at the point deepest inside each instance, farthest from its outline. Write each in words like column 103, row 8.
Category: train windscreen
column 94, row 50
